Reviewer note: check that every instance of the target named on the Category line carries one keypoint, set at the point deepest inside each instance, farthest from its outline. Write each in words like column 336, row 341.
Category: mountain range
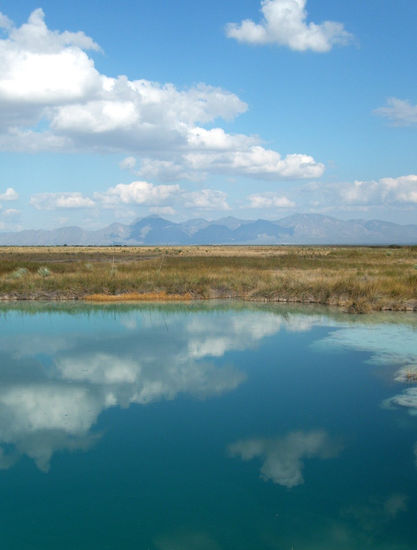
column 295, row 229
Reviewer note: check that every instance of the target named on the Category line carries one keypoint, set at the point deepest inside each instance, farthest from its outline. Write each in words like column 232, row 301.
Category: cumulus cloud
column 270, row 200
column 399, row 111
column 47, row 76
column 254, row 161
column 162, row 210
column 11, row 213
column 52, row 201
column 206, row 199
column 128, row 163
column 39, row 66
column 160, row 199
column 283, row 457
column 215, row 152
column 5, row 22
column 284, row 22
column 386, row 191
column 361, row 195
column 137, row 192
column 9, row 195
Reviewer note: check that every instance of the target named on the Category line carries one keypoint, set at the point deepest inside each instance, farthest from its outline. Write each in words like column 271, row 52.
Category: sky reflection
column 283, row 458
column 214, row 399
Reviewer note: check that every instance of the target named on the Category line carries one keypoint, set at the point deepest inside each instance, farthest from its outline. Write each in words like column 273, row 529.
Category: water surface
column 207, row 428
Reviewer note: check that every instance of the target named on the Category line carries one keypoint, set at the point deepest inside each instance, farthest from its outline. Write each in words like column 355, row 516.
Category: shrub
column 43, row 271
column 19, row 273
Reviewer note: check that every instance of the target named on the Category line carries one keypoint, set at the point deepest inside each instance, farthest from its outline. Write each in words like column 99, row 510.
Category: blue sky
column 205, row 109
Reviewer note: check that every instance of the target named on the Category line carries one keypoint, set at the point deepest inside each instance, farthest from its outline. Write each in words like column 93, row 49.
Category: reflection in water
column 283, row 457
column 38, row 419
column 407, row 374
column 58, row 374
column 55, row 407
column 376, row 513
column 155, row 357
column 408, row 399
column 394, row 345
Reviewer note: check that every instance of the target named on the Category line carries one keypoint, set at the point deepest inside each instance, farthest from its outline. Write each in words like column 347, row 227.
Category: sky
column 251, row 108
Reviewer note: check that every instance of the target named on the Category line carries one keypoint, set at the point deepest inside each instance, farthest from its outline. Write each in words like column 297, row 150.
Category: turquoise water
column 207, row 428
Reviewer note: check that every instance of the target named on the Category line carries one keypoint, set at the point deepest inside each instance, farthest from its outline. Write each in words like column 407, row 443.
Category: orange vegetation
column 138, row 297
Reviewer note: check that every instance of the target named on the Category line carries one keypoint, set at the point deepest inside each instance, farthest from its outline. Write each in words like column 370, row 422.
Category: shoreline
column 97, row 299
column 353, row 279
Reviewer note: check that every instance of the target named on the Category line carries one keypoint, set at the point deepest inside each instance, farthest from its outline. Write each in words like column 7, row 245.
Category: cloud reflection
column 283, row 458
column 53, row 390
column 389, row 344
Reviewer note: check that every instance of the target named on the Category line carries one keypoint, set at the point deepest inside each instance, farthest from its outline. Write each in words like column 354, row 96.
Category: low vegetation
column 359, row 279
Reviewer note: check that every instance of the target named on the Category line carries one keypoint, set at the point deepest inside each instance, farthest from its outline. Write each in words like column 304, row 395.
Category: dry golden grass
column 355, row 278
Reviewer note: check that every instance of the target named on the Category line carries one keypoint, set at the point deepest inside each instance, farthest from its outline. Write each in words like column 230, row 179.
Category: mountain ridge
column 300, row 229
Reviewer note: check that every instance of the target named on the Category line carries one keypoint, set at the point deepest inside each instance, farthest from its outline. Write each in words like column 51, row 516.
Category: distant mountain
column 153, row 230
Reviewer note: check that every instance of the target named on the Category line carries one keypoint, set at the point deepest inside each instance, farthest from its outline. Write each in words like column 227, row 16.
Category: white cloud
column 160, row 198
column 270, row 200
column 162, row 210
column 39, row 66
column 128, row 163
column 9, row 195
column 285, row 23
column 283, row 457
column 386, row 191
column 141, row 110
column 11, row 213
column 206, row 199
column 138, row 192
column 51, row 201
column 251, row 161
column 46, row 76
column 5, row 22
column 400, row 111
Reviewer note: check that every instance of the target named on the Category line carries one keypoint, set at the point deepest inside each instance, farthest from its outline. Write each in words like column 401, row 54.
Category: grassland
column 358, row 279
